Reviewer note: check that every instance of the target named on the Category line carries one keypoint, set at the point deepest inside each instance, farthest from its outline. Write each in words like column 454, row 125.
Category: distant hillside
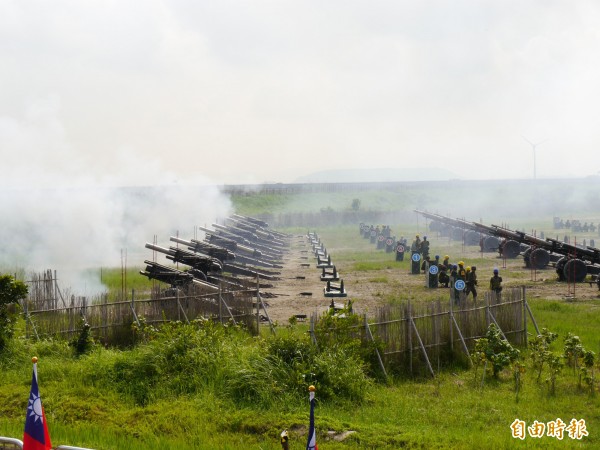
column 377, row 175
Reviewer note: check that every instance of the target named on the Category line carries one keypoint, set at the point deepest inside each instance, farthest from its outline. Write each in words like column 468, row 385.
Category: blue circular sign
column 459, row 285
column 433, row 270
column 416, row 257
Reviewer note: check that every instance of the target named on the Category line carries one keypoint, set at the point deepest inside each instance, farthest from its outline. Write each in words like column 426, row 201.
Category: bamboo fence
column 419, row 338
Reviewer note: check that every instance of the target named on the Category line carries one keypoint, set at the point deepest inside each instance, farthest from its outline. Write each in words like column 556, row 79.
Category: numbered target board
column 400, row 248
column 416, row 257
column 459, row 285
column 433, row 270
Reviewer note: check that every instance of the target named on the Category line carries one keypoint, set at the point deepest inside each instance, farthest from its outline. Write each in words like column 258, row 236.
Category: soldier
column 453, row 279
column 461, row 272
column 446, row 261
column 415, row 249
column 425, row 247
column 496, row 284
column 416, row 245
column 425, row 264
column 471, row 283
column 443, row 276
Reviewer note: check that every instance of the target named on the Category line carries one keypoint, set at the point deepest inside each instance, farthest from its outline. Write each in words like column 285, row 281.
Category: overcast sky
column 175, row 91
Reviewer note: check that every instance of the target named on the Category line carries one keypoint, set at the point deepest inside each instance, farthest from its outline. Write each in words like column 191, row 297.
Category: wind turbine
column 533, row 146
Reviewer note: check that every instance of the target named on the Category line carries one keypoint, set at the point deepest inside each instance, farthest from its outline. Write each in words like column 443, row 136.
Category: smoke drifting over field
column 63, row 210
column 74, row 229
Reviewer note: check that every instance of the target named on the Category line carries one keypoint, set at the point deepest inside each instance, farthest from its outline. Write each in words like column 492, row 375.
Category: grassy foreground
column 198, row 387
column 169, row 393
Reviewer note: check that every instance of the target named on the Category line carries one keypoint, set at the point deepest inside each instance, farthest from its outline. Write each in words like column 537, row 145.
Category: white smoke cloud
column 77, row 218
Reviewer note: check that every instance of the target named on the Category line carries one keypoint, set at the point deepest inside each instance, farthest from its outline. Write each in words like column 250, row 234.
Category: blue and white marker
column 459, row 285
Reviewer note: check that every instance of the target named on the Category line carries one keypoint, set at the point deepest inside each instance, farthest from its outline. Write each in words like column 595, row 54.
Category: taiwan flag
column 312, row 434
column 36, row 436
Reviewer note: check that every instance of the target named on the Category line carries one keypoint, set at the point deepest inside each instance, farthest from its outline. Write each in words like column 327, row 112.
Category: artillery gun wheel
column 539, row 258
column 457, row 234
column 491, row 244
column 435, row 225
column 446, row 230
column 575, row 271
column 472, row 237
column 511, row 249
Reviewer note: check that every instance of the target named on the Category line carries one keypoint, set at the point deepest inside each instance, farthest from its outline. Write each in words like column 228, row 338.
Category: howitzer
column 272, row 246
column 204, row 267
column 249, row 235
column 577, row 262
column 231, row 244
column 203, row 263
column 261, row 233
column 262, row 224
column 459, row 229
column 267, row 250
column 174, row 277
column 257, row 222
column 223, row 254
column 255, row 236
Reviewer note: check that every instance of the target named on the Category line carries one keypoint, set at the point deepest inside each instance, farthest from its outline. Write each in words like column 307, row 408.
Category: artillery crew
column 424, row 247
column 471, row 283
column 496, row 284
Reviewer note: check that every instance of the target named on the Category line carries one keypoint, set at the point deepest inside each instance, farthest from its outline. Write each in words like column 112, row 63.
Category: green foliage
column 143, row 331
column 355, row 204
column 11, row 291
column 539, row 350
column 84, row 342
column 496, row 350
column 587, row 370
column 555, row 365
column 573, row 350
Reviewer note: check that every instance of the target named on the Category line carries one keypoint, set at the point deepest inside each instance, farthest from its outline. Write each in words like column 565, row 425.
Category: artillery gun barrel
column 262, row 224
column 240, row 270
column 240, row 239
column 158, row 248
column 234, row 247
column 211, row 250
column 173, row 276
column 238, row 231
column 251, row 236
column 221, row 253
column 590, row 254
column 261, row 233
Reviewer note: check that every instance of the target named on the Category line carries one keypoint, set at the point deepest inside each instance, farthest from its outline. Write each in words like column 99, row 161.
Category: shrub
column 496, row 350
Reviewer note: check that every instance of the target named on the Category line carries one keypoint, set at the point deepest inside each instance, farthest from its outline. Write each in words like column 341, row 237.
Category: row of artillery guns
column 572, row 262
column 242, row 251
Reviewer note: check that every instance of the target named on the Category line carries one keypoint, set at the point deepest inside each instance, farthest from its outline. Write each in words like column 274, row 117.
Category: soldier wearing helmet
column 461, row 273
column 496, row 284
column 471, row 283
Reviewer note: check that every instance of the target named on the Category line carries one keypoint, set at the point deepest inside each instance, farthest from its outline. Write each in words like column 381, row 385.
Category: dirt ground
column 300, row 291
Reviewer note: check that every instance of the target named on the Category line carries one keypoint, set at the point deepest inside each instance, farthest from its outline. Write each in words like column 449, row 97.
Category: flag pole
column 312, row 435
column 35, row 435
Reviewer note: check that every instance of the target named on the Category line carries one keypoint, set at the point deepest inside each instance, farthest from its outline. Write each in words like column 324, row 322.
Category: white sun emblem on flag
column 35, row 406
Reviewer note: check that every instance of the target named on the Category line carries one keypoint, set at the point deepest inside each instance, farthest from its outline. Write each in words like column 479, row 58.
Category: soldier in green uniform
column 496, row 284
column 471, row 283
